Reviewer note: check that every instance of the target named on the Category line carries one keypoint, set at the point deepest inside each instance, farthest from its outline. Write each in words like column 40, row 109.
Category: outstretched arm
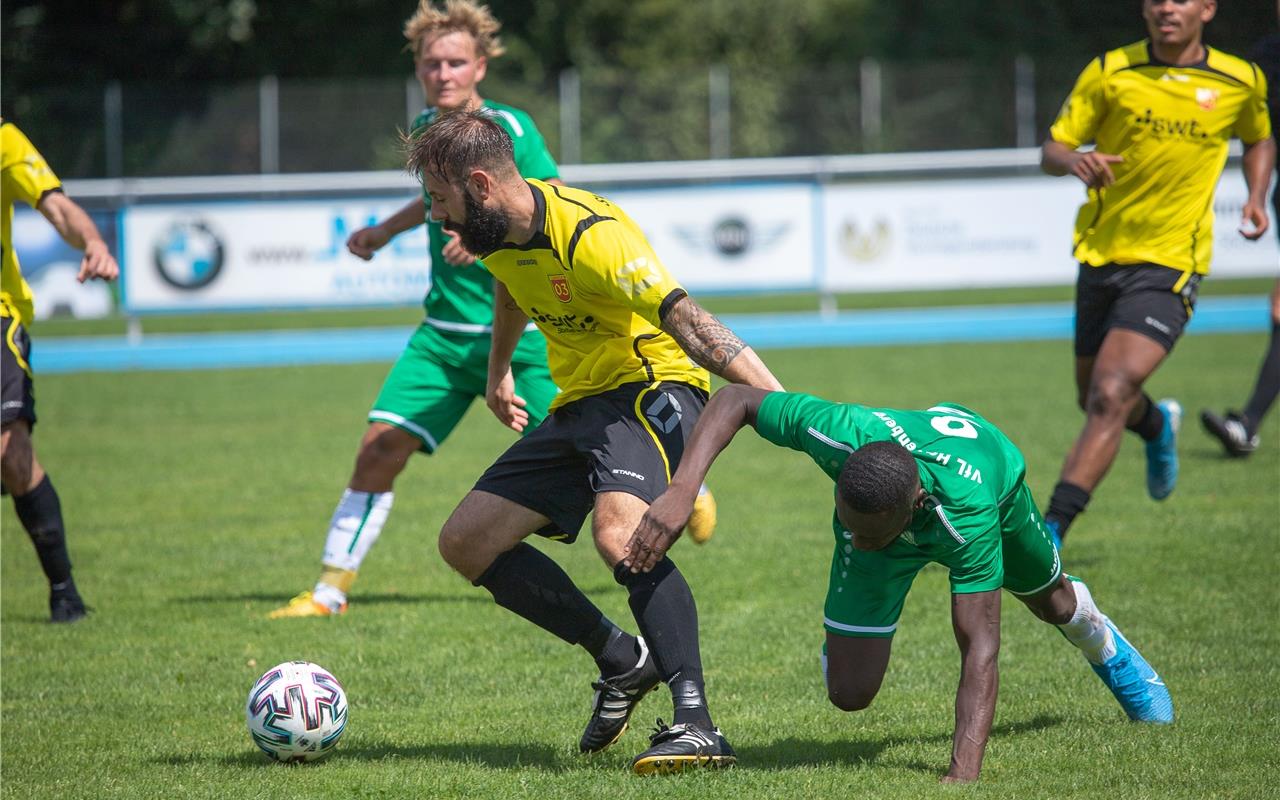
column 728, row 411
column 713, row 346
column 976, row 619
column 77, row 230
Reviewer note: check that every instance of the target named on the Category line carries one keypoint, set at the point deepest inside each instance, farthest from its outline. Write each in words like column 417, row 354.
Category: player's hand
column 1094, row 169
column 455, row 253
column 1253, row 221
column 365, row 242
column 658, row 529
column 98, row 263
column 506, row 405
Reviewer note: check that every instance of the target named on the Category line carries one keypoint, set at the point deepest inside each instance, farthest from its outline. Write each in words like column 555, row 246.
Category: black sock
column 1151, row 423
column 526, row 581
column 1066, row 503
column 615, row 652
column 1267, row 387
column 41, row 514
column 668, row 617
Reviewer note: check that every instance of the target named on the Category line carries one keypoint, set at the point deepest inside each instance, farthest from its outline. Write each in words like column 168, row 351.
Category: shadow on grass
column 496, row 755
column 789, row 753
column 387, row 598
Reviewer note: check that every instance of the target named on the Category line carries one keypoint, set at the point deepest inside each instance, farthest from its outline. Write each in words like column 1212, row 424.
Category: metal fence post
column 113, row 128
column 1024, row 100
column 719, row 111
column 871, row 87
column 269, row 124
column 570, row 116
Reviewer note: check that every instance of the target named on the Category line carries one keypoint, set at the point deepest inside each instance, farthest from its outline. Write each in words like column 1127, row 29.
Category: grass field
column 196, row 502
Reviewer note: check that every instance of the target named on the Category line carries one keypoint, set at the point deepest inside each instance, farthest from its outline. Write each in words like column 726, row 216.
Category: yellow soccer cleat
column 305, row 605
column 702, row 523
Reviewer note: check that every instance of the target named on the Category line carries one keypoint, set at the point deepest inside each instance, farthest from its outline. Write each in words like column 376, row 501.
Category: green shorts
column 429, row 388
column 867, row 590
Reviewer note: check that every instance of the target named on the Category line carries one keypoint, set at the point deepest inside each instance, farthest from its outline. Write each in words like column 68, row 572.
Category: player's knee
column 453, row 542
column 384, row 451
column 1110, row 395
column 851, row 698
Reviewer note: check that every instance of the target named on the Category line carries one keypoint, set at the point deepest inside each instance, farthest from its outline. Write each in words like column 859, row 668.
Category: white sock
column 1087, row 628
column 356, row 524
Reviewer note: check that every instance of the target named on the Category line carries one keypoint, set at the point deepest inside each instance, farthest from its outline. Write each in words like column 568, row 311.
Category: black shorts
column 1150, row 299
column 627, row 439
column 19, row 401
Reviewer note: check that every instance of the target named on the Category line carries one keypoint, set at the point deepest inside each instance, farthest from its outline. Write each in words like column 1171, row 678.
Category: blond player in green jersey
column 630, row 351
column 1161, row 113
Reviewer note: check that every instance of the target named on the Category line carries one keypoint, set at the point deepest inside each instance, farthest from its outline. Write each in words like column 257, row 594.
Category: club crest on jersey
column 560, row 285
column 1207, row 98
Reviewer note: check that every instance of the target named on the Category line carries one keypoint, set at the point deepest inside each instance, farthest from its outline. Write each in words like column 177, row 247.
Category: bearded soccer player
column 26, row 177
column 913, row 487
column 443, row 367
column 630, row 351
column 1161, row 113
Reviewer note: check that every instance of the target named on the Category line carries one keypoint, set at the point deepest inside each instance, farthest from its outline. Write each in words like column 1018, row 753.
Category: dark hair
column 877, row 477
column 459, row 142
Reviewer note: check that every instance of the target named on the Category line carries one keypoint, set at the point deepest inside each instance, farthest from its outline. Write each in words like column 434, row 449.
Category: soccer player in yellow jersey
column 25, row 176
column 630, row 351
column 1161, row 113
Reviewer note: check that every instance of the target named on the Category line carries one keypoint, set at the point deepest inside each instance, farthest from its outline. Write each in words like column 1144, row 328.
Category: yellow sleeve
column 1254, row 123
column 1082, row 114
column 26, row 175
column 615, row 260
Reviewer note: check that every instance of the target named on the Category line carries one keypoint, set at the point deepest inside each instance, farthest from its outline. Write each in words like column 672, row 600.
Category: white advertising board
column 730, row 238
column 988, row 232
column 243, row 255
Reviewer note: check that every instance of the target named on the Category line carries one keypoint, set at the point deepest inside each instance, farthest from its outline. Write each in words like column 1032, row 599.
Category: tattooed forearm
column 703, row 337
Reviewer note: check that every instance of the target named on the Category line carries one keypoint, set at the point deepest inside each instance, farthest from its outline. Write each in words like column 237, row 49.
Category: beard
column 485, row 229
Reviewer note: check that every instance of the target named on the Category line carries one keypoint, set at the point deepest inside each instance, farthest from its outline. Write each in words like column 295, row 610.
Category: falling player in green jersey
column 914, row 487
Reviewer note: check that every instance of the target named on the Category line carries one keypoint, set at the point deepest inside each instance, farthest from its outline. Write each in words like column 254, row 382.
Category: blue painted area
column 765, row 331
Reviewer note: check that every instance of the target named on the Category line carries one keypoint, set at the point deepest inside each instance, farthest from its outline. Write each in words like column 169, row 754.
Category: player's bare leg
column 40, row 511
column 854, row 667
column 358, row 520
column 1110, row 392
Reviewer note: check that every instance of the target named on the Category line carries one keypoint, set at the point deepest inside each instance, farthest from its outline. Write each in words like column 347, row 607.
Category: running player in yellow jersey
column 25, row 176
column 1161, row 113
column 630, row 351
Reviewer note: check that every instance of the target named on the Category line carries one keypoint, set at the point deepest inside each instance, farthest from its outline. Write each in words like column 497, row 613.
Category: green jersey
column 460, row 301
column 968, row 468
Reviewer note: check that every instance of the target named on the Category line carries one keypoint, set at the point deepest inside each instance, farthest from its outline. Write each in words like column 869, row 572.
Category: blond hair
column 465, row 16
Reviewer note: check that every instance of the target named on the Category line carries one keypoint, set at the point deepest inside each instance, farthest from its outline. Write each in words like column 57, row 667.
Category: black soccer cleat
column 1231, row 431
column 680, row 747
column 65, row 605
column 616, row 698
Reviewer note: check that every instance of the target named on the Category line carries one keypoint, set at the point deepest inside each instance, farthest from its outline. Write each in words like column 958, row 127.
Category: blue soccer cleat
column 1051, row 528
column 1162, row 452
column 1141, row 692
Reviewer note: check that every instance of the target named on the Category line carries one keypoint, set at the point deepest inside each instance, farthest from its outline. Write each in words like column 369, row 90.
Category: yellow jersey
column 24, row 176
column 1172, row 125
column 595, row 288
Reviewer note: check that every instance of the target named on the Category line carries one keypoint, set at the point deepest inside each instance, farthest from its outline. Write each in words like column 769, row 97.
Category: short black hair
column 459, row 142
column 877, row 477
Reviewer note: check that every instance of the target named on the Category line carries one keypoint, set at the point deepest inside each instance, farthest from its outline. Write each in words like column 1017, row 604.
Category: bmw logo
column 189, row 255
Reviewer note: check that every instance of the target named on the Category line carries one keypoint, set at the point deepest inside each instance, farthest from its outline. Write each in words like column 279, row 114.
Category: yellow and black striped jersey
column 1172, row 125
column 24, row 176
column 592, row 283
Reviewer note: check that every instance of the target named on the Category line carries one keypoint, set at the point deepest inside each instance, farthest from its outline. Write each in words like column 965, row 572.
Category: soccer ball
column 296, row 712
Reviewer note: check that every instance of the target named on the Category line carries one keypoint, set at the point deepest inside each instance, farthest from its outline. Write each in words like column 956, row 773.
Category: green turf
column 719, row 304
column 196, row 502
